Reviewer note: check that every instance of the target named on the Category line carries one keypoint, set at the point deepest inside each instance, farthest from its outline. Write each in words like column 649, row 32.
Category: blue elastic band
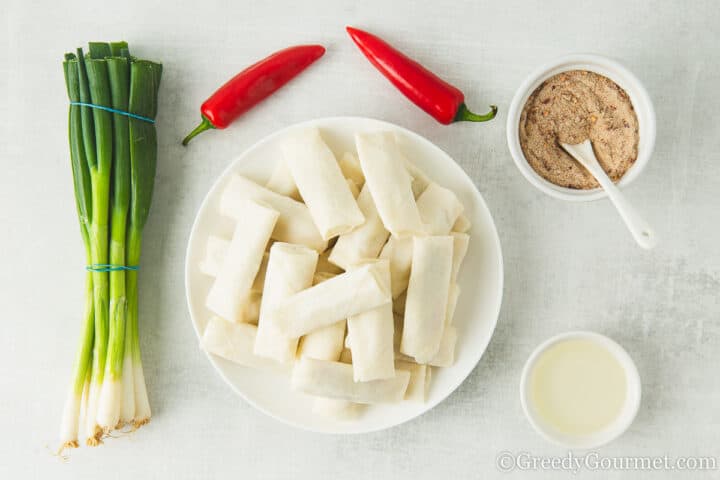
column 109, row 267
column 112, row 110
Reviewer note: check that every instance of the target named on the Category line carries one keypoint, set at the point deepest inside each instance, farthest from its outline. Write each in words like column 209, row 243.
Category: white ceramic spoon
column 640, row 229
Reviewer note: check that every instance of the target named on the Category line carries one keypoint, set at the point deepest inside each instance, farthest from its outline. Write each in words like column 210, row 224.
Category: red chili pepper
column 443, row 101
column 253, row 85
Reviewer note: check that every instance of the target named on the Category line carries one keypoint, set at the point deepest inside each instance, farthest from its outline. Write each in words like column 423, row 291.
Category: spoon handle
column 639, row 228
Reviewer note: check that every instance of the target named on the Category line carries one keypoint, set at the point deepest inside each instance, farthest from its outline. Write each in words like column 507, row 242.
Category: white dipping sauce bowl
column 601, row 65
column 617, row 427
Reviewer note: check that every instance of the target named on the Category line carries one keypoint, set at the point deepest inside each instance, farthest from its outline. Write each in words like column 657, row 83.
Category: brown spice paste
column 571, row 107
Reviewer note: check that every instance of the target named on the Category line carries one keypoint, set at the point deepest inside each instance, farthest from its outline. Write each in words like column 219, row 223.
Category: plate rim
column 269, row 138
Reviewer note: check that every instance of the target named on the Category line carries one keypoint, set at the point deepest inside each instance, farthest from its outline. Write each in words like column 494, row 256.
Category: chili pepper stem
column 204, row 125
column 465, row 115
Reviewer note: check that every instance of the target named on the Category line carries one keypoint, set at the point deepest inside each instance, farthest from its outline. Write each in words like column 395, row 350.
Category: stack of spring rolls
column 343, row 270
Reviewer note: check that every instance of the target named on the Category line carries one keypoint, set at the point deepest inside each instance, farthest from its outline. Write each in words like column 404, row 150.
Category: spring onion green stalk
column 82, row 187
column 111, row 395
column 144, row 85
column 100, row 174
column 113, row 159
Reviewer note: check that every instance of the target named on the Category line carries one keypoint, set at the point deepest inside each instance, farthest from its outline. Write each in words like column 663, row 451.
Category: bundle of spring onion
column 113, row 157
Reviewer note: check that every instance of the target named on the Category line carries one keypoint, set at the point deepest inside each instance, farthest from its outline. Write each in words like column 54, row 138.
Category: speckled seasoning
column 571, row 107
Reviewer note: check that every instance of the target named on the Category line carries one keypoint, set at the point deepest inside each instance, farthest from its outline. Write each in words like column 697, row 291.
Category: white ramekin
column 614, row 430
column 604, row 66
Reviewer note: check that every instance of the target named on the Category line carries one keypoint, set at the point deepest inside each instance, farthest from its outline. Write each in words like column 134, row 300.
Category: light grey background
column 568, row 266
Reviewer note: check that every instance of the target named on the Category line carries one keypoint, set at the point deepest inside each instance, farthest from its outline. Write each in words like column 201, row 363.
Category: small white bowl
column 619, row 425
column 604, row 66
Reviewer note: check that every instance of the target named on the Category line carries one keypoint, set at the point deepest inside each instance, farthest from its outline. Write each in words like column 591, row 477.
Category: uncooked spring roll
column 371, row 339
column 351, row 169
column 370, row 335
column 336, row 408
column 335, row 380
column 427, row 297
column 419, row 384
column 453, row 296
column 365, row 242
column 229, row 293
column 321, row 183
column 215, row 250
column 294, row 225
column 445, row 355
column 462, row 225
column 234, row 342
column 325, row 343
column 290, row 270
column 439, row 209
column 282, row 182
column 389, row 182
column 355, row 291
column 461, row 242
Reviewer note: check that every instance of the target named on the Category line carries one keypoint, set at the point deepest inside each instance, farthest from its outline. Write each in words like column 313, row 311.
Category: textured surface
column 568, row 266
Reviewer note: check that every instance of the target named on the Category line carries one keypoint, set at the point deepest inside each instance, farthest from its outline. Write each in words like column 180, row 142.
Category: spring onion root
column 113, row 159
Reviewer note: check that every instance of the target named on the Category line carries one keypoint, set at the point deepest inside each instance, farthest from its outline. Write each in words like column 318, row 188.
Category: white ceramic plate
column 481, row 280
